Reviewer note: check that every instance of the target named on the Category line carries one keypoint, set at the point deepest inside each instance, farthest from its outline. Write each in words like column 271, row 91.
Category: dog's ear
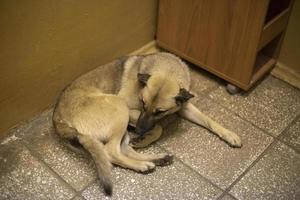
column 143, row 78
column 183, row 96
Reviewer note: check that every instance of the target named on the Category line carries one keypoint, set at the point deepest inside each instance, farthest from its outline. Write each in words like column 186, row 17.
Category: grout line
column 78, row 195
column 190, row 168
column 288, row 145
column 274, row 142
column 88, row 185
column 277, row 137
column 226, row 193
column 285, row 131
column 289, row 125
column 248, row 168
column 241, row 117
column 56, row 175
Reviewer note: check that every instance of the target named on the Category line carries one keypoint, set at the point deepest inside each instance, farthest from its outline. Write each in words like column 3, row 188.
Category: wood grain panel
column 223, row 35
column 47, row 44
column 273, row 28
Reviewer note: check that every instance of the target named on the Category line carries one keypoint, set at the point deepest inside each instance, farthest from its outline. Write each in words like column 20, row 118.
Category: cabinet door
column 219, row 35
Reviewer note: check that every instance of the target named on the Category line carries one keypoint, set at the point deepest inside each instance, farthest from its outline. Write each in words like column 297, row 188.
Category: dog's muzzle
column 144, row 124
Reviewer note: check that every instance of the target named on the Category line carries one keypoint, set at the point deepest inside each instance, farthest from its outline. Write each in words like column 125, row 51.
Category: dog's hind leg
column 119, row 158
column 101, row 159
column 191, row 113
column 161, row 159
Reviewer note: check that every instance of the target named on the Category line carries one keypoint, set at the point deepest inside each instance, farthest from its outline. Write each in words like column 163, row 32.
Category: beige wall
column 290, row 50
column 45, row 44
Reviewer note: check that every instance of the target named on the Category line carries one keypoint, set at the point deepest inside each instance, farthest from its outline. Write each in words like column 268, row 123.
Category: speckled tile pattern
column 292, row 136
column 78, row 170
column 22, row 176
column 228, row 197
column 170, row 182
column 275, row 176
column 201, row 81
column 206, row 153
column 78, row 198
column 34, row 163
column 272, row 105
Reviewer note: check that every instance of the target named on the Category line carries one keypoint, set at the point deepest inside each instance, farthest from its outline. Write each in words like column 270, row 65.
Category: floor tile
column 170, row 182
column 206, row 153
column 272, row 105
column 22, row 176
column 292, row 136
column 78, row 198
column 228, row 197
column 76, row 169
column 275, row 176
column 202, row 81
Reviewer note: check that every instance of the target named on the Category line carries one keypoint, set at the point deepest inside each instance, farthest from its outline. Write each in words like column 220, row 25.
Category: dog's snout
column 144, row 124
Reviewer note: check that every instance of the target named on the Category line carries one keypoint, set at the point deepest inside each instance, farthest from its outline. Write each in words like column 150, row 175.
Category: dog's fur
column 139, row 90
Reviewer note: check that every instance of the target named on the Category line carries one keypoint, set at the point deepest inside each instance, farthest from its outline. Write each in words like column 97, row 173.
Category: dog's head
column 160, row 96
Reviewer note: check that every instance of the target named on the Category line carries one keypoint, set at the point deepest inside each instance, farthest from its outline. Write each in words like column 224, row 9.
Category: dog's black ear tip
column 143, row 78
column 183, row 96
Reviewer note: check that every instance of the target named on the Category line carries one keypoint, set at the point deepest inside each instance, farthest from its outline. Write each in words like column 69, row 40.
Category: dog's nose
column 143, row 127
column 144, row 124
column 140, row 131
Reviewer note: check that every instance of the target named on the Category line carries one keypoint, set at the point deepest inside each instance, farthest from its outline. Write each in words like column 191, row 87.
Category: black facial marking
column 183, row 96
column 143, row 78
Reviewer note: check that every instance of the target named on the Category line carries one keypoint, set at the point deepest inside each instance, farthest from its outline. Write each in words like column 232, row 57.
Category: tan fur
column 89, row 110
column 97, row 107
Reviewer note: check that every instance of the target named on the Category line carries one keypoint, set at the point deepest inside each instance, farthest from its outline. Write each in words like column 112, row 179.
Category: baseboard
column 149, row 48
column 286, row 74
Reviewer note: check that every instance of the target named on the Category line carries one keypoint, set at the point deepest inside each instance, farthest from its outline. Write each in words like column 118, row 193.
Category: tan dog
column 141, row 90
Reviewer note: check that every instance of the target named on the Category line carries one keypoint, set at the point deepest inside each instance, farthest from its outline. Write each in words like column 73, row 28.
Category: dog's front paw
column 139, row 142
column 146, row 167
column 166, row 160
column 136, row 140
column 234, row 141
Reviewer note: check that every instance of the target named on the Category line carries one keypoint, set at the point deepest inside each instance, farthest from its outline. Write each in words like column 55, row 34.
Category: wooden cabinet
column 238, row 40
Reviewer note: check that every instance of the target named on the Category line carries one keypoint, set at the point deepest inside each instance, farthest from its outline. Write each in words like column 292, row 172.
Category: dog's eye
column 159, row 111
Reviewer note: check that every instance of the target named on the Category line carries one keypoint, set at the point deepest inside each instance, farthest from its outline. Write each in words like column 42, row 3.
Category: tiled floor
column 34, row 164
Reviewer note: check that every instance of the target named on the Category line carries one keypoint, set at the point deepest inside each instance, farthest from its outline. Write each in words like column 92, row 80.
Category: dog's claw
column 235, row 141
column 167, row 160
column 150, row 170
column 146, row 168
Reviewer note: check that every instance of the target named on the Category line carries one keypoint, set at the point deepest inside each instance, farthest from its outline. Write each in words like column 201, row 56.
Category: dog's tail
column 103, row 165
column 94, row 147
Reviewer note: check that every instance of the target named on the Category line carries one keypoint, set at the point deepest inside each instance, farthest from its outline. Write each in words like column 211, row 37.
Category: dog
column 97, row 108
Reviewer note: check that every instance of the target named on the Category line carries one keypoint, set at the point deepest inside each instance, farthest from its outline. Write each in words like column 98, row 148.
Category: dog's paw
column 166, row 160
column 139, row 143
column 134, row 142
column 146, row 167
column 234, row 141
